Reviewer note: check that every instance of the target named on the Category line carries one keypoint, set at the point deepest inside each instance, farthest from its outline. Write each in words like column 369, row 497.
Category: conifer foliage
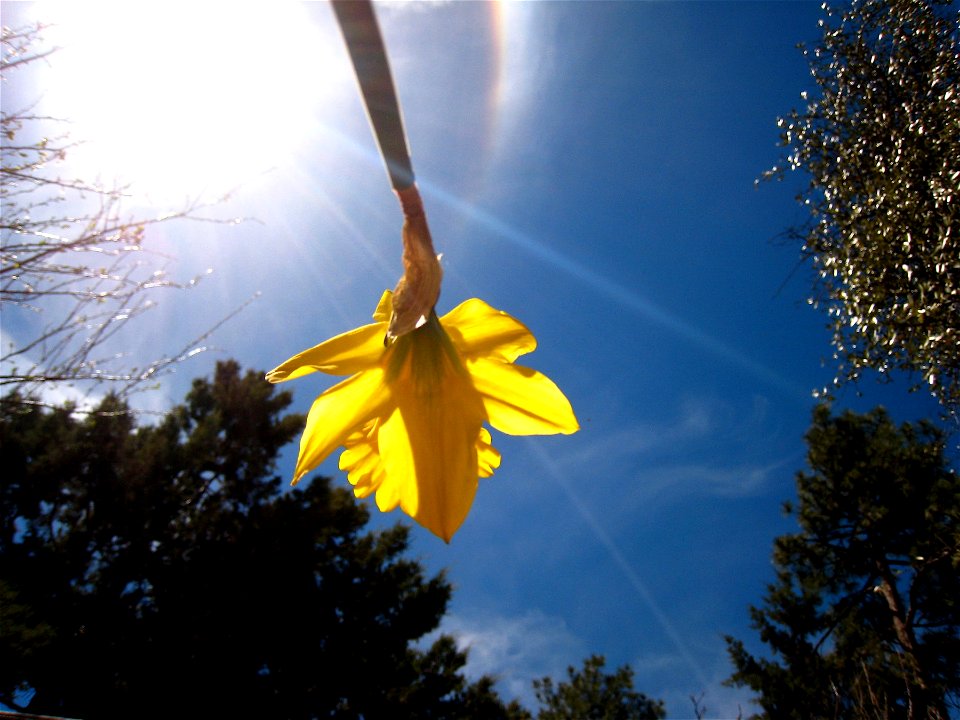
column 864, row 617
column 163, row 571
column 593, row 694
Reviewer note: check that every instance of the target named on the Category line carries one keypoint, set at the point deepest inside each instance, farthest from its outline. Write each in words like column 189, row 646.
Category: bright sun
column 181, row 99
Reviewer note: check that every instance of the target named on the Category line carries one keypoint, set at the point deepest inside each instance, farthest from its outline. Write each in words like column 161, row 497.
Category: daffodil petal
column 345, row 354
column 394, row 487
column 348, row 353
column 338, row 412
column 361, row 461
column 521, row 401
column 479, row 330
column 488, row 457
column 384, row 308
column 433, row 478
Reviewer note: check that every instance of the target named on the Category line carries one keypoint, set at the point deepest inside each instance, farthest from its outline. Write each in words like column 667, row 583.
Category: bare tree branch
column 72, row 260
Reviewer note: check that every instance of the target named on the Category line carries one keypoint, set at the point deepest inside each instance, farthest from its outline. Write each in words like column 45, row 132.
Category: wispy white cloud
column 691, row 418
column 520, row 649
column 651, row 663
column 705, row 448
column 673, row 483
column 516, row 650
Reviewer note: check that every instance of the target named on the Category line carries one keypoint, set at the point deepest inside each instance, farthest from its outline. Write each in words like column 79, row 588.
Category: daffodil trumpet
column 410, row 415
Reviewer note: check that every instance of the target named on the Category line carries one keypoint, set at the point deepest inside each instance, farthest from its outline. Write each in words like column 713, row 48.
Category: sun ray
column 619, row 294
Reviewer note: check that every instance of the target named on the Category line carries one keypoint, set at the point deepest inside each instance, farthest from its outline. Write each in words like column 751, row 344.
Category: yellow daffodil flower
column 411, row 414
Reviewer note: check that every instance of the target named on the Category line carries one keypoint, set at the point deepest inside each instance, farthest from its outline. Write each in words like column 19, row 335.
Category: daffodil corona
column 411, row 414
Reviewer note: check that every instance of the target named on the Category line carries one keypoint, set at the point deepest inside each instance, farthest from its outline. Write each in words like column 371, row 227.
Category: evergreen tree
column 592, row 694
column 161, row 571
column 879, row 140
column 864, row 617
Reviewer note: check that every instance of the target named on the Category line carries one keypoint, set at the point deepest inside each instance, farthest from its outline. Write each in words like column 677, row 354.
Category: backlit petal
column 433, row 478
column 345, row 354
column 384, row 308
column 521, row 401
column 361, row 460
column 337, row 413
column 478, row 330
column 488, row 457
column 400, row 477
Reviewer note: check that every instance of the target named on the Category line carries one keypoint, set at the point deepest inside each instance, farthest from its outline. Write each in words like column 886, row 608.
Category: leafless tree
column 76, row 266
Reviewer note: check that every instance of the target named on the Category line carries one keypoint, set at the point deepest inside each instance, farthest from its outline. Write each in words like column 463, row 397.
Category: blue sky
column 588, row 167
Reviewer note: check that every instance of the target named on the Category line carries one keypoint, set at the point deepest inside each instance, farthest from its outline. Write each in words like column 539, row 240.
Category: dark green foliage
column 880, row 142
column 592, row 694
column 863, row 619
column 161, row 571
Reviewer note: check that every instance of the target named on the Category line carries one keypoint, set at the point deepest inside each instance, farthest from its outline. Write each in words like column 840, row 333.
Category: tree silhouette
column 162, row 571
column 592, row 694
column 864, row 618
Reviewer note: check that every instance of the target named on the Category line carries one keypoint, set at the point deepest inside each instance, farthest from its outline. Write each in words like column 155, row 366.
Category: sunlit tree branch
column 878, row 140
column 73, row 261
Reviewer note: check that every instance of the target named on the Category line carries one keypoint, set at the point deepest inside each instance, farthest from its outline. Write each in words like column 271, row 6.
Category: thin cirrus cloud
column 653, row 454
column 702, row 480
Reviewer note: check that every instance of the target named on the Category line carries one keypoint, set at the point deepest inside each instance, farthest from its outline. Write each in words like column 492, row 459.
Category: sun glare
column 179, row 99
